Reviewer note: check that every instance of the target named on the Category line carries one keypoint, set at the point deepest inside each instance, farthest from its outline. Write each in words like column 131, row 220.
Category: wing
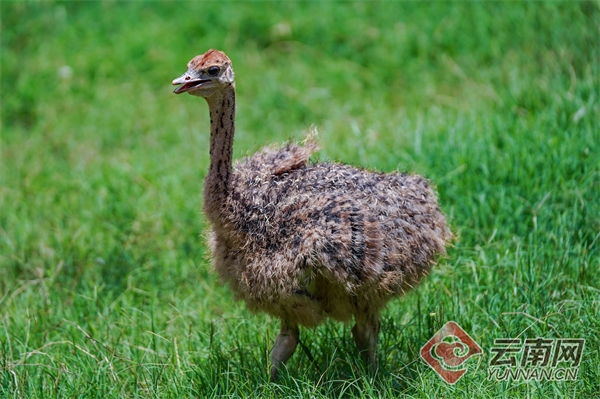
column 276, row 160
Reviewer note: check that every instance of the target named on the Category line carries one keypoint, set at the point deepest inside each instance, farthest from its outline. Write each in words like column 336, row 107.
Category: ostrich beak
column 188, row 82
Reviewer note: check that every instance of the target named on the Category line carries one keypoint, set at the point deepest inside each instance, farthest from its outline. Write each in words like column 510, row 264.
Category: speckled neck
column 222, row 126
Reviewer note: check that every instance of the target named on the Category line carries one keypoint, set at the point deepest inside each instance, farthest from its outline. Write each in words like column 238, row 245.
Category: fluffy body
column 305, row 241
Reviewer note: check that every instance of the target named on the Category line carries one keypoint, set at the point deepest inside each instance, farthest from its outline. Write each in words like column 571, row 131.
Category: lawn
column 106, row 289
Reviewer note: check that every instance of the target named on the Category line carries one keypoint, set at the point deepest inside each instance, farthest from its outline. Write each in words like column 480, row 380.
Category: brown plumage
column 306, row 241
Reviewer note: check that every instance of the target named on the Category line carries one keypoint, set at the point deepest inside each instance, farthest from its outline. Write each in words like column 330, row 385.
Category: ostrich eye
column 213, row 71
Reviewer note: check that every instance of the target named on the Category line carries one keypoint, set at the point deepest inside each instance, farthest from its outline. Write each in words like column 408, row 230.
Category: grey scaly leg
column 366, row 333
column 284, row 347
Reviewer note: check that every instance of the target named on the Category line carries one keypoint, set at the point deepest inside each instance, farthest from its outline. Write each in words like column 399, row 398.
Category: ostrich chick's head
column 206, row 74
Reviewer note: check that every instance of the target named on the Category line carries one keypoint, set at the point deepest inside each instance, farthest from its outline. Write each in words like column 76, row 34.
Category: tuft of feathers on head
column 211, row 57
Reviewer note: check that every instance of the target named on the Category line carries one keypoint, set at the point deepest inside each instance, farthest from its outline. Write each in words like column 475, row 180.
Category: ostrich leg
column 285, row 344
column 366, row 333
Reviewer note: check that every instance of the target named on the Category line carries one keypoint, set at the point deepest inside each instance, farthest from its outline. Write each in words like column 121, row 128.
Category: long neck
column 218, row 181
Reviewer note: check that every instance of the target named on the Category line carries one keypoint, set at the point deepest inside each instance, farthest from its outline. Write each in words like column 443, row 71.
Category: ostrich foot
column 366, row 333
column 284, row 347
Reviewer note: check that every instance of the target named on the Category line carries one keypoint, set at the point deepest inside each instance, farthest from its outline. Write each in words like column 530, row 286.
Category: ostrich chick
column 306, row 241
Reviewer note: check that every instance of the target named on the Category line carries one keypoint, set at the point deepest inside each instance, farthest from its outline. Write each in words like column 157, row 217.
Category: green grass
column 105, row 289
